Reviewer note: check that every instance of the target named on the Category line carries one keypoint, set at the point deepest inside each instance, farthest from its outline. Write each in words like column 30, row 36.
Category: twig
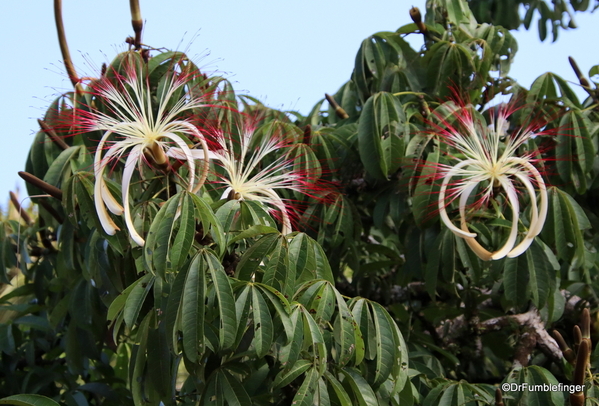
column 584, row 83
column 338, row 109
column 37, row 182
column 137, row 22
column 53, row 136
column 64, row 47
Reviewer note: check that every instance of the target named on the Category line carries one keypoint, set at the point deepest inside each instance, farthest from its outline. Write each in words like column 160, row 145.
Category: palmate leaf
column 534, row 375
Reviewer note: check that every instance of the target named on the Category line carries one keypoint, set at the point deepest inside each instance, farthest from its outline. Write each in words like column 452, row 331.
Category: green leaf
column 233, row 390
column 136, row 298
column 263, row 326
column 338, row 389
column 156, row 248
column 277, row 272
column 58, row 169
column 385, row 348
column 346, row 333
column 253, row 231
column 305, row 394
column 28, row 400
column 184, row 237
column 287, row 375
column 360, row 388
column 192, row 309
column 381, row 118
column 250, row 260
column 281, row 306
column 424, row 203
column 226, row 302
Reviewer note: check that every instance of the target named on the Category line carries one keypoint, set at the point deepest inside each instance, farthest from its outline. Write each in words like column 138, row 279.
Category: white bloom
column 247, row 177
column 487, row 156
column 144, row 125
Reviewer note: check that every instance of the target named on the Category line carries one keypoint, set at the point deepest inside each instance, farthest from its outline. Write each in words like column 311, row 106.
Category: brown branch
column 37, row 182
column 338, row 109
column 417, row 18
column 137, row 22
column 584, row 83
column 64, row 47
column 53, row 136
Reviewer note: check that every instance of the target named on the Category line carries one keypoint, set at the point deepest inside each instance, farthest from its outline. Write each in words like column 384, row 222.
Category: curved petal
column 114, row 206
column 478, row 249
column 134, row 155
column 188, row 157
column 528, row 239
column 513, row 199
column 200, row 136
column 108, row 224
column 442, row 212
column 276, row 201
column 474, row 245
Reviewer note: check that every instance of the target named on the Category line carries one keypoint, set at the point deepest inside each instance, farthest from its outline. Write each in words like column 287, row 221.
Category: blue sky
column 288, row 54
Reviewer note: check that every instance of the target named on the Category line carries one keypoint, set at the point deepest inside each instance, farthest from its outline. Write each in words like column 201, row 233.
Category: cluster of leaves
column 217, row 307
column 392, row 104
column 513, row 13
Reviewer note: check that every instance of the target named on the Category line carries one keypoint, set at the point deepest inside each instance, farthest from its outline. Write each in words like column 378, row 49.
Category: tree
column 411, row 244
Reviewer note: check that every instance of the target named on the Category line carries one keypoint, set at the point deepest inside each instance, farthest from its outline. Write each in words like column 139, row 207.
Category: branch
column 137, row 22
column 37, row 182
column 53, row 136
column 64, row 47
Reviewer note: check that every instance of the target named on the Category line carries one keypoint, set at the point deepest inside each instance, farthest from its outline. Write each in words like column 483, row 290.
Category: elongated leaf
column 361, row 390
column 58, row 168
column 136, row 298
column 173, row 313
column 305, row 394
column 263, row 326
column 226, row 302
column 281, row 306
column 192, row 309
column 184, row 237
column 250, row 260
column 287, row 375
column 346, row 332
column 338, row 389
column 385, row 348
column 424, row 204
column 277, row 272
column 209, row 221
column 28, row 400
column 157, row 244
column 234, row 391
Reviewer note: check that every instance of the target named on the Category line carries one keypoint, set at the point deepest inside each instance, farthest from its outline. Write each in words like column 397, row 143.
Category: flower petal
column 134, row 155
column 442, row 212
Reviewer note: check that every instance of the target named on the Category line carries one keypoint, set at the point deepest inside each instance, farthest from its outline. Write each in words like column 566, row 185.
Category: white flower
column 487, row 156
column 248, row 177
column 145, row 125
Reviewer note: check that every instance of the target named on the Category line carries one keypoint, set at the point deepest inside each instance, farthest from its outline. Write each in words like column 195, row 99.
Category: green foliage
column 369, row 300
